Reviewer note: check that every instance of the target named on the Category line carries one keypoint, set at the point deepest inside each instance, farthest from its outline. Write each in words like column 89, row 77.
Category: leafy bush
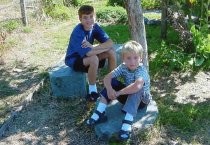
column 146, row 4
column 72, row 2
column 56, row 9
column 151, row 4
column 115, row 3
column 200, row 40
column 112, row 15
column 169, row 58
column 59, row 12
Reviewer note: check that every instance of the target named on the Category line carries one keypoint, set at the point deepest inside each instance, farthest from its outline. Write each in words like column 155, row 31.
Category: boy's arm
column 103, row 47
column 106, row 45
column 132, row 88
column 107, row 83
column 95, row 51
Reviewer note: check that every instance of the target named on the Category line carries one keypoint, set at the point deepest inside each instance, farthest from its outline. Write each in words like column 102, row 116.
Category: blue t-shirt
column 75, row 50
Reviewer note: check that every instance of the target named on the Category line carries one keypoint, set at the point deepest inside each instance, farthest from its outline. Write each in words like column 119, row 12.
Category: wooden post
column 164, row 19
column 23, row 12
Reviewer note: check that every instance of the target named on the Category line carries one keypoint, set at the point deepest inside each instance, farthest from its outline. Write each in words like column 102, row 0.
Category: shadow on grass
column 50, row 120
column 15, row 82
column 184, row 123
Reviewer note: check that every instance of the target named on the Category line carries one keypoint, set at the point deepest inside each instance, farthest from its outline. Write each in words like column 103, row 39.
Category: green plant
column 27, row 29
column 113, row 15
column 151, row 4
column 59, row 12
column 56, row 9
column 200, row 40
column 146, row 4
column 73, row 2
column 115, row 3
column 10, row 25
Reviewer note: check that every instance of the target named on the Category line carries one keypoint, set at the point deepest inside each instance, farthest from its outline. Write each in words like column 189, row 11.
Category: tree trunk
column 164, row 19
column 136, row 25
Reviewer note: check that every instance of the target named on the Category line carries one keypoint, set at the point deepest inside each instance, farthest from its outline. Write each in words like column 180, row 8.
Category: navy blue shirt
column 75, row 50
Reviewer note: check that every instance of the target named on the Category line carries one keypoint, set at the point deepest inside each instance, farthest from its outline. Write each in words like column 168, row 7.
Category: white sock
column 125, row 126
column 92, row 88
column 101, row 108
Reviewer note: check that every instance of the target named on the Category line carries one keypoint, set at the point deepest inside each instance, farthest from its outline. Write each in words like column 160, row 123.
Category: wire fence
column 11, row 9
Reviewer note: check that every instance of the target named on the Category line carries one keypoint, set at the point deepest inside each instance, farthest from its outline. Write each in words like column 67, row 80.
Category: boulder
column 144, row 119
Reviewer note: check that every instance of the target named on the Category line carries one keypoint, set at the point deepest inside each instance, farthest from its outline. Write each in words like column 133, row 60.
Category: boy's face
column 87, row 21
column 131, row 60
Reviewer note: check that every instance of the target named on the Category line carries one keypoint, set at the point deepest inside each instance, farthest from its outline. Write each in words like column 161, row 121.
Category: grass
column 116, row 34
column 156, row 16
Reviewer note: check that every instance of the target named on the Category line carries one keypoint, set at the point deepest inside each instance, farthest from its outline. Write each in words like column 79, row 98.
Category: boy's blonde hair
column 132, row 47
column 85, row 9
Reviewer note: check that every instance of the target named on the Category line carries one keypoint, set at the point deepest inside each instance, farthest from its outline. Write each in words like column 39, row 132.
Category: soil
column 50, row 120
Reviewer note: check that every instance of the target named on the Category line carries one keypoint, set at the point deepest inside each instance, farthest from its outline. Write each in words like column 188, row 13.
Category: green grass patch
column 27, row 29
column 186, row 117
column 152, row 16
column 116, row 33
column 60, row 38
column 10, row 25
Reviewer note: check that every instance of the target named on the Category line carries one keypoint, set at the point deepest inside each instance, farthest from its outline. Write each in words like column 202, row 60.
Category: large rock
column 144, row 119
column 65, row 82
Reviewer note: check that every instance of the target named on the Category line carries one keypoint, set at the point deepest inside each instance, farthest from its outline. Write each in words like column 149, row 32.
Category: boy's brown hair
column 85, row 9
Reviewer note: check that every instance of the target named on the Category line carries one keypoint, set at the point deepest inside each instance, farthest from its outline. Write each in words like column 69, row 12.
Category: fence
column 18, row 9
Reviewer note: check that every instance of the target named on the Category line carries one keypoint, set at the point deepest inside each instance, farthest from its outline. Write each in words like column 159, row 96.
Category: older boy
column 83, row 56
column 133, row 94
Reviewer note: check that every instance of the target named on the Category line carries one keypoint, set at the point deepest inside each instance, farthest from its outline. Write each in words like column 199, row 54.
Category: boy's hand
column 118, row 94
column 111, row 94
column 86, row 44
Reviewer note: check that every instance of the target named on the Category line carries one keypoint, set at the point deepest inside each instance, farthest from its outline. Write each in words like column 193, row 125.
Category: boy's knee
column 94, row 60
column 111, row 52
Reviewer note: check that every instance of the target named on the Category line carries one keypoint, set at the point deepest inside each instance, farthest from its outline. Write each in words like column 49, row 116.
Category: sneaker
column 92, row 97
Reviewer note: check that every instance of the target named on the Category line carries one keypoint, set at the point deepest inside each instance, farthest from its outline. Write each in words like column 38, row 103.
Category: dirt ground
column 49, row 120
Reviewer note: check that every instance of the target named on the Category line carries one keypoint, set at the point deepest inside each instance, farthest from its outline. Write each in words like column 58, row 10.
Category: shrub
column 59, row 12
column 151, row 4
column 146, row 4
column 56, row 9
column 112, row 15
column 72, row 2
column 115, row 3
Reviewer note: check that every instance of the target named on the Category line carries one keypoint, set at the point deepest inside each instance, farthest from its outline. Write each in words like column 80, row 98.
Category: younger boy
column 83, row 56
column 133, row 94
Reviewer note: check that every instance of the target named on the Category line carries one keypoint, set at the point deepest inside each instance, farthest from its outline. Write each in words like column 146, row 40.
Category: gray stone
column 118, row 48
column 144, row 119
column 65, row 82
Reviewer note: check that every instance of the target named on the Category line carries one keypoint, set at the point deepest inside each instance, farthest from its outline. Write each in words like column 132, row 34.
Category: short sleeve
column 99, row 34
column 118, row 71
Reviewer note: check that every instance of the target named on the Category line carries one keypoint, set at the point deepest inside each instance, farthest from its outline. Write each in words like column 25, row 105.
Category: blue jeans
column 132, row 102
